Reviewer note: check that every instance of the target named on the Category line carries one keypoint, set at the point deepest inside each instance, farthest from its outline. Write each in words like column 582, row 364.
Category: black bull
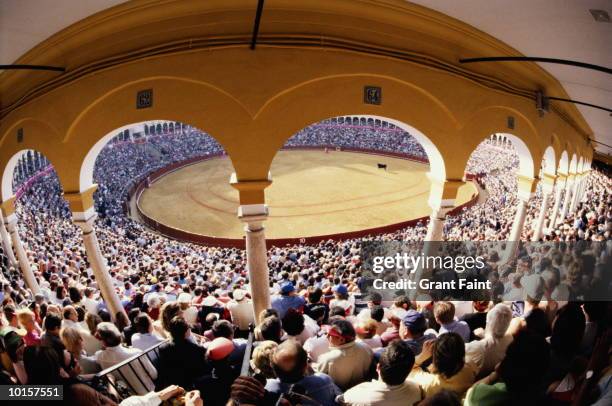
column 382, row 166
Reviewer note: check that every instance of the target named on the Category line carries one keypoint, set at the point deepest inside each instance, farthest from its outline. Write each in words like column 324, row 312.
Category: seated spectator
column 217, row 383
column 287, row 300
column 269, row 329
column 343, row 299
column 315, row 308
column 377, row 313
column 294, row 326
column 567, row 332
column 485, row 354
column 141, row 377
column 72, row 340
column 51, row 337
column 366, row 333
column 392, row 387
column 348, row 362
column 448, row 369
column 261, row 361
column 290, row 364
column 412, row 330
column 393, row 332
column 189, row 312
column 181, row 361
column 143, row 338
column 444, row 312
column 518, row 379
column 477, row 320
column 34, row 332
column 241, row 310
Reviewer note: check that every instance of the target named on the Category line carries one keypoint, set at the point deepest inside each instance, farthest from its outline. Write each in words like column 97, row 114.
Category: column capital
column 8, row 207
column 81, row 202
column 444, row 193
column 526, row 187
column 548, row 182
column 251, row 191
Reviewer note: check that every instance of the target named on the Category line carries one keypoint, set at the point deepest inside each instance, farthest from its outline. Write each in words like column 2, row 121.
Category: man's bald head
column 289, row 360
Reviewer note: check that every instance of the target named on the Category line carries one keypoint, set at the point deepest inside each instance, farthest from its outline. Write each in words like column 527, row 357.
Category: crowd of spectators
column 321, row 342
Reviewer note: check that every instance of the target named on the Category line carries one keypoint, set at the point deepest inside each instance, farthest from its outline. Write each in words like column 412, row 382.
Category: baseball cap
column 414, row 320
column 341, row 289
column 287, row 287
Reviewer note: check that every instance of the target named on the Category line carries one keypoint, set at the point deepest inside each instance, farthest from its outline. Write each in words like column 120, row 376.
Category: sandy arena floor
column 313, row 193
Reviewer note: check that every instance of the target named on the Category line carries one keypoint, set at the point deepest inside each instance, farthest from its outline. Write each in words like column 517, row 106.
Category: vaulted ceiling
column 562, row 29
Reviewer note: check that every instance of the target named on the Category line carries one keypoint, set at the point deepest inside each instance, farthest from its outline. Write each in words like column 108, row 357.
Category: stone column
column 84, row 216
column 559, row 185
column 10, row 222
column 257, row 256
column 576, row 194
column 98, row 265
column 547, row 188
column 6, row 244
column 526, row 190
column 569, row 187
column 253, row 212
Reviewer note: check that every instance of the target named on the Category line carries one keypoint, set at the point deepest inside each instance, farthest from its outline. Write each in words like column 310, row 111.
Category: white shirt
column 145, row 341
column 485, row 354
column 114, row 355
column 242, row 313
column 379, row 393
column 90, row 305
column 316, row 346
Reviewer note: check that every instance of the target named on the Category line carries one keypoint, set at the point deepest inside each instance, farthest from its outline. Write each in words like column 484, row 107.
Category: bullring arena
column 306, row 202
column 315, row 193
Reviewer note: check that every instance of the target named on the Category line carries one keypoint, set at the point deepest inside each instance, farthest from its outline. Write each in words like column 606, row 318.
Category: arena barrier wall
column 199, row 239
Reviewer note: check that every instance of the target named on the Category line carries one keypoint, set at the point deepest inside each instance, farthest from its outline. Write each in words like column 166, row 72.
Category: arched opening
column 167, row 181
column 494, row 167
column 336, row 180
column 43, row 222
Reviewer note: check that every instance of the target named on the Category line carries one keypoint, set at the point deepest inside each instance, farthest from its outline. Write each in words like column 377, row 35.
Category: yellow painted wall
column 253, row 101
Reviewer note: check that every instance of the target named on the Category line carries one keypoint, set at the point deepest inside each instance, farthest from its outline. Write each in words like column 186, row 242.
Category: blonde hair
column 262, row 357
column 70, row 337
column 24, row 315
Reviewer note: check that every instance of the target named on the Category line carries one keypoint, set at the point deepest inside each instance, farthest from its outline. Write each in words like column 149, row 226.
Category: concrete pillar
column 257, row 255
column 84, row 216
column 576, row 194
column 6, row 243
column 547, row 189
column 554, row 215
column 569, row 187
column 526, row 190
column 98, row 264
column 253, row 212
column 10, row 222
